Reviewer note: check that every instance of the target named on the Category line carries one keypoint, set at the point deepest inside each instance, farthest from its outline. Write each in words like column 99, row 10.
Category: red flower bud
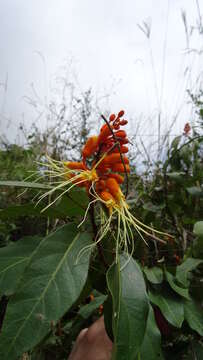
column 121, row 113
column 112, row 117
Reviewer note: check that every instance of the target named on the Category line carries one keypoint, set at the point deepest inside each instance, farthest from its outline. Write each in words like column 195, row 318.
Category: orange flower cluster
column 104, row 162
column 108, row 152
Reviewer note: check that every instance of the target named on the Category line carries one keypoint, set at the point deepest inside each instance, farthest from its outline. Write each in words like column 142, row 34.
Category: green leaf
column 151, row 346
column 195, row 191
column 154, row 274
column 16, row 211
column 108, row 311
column 196, row 351
column 198, row 228
column 13, row 260
column 170, row 305
column 75, row 203
column 25, row 184
column 172, row 282
column 175, row 142
column 176, row 176
column 152, row 207
column 130, row 307
column 198, row 243
column 71, row 205
column 183, row 270
column 194, row 316
column 50, row 285
column 86, row 310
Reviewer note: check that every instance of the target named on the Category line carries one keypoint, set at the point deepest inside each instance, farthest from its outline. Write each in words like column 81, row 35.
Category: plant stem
column 94, row 227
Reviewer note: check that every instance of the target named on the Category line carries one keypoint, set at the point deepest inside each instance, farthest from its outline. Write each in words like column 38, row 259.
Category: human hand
column 92, row 343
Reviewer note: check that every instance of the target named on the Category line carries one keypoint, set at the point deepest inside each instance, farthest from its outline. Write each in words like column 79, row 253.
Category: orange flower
column 107, row 198
column 115, row 158
column 104, row 133
column 117, row 177
column 114, row 188
column 90, row 147
column 112, row 117
column 102, row 180
column 123, row 149
column 73, row 165
column 120, row 168
column 121, row 113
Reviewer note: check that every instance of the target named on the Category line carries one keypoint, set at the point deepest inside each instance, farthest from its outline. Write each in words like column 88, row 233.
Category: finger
column 77, row 343
column 81, row 334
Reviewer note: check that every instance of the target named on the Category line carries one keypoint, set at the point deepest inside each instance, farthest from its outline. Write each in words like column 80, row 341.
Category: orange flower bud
column 114, row 188
column 123, row 122
column 106, row 146
column 120, row 168
column 103, row 128
column 104, row 133
column 123, row 149
column 80, row 178
column 121, row 113
column 74, row 165
column 90, row 146
column 123, row 141
column 117, row 177
column 112, row 117
column 116, row 127
column 100, row 185
column 108, row 198
column 102, row 167
column 121, row 134
column 113, row 158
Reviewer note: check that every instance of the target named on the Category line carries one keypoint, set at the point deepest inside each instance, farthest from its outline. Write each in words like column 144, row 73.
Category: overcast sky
column 106, row 46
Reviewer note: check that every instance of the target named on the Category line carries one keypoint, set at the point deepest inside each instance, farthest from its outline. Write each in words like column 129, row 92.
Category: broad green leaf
column 15, row 211
column 151, row 346
column 130, row 307
column 170, row 305
column 13, row 260
column 73, row 204
column 198, row 228
column 154, row 274
column 108, row 311
column 194, row 316
column 50, row 285
column 183, row 270
column 172, row 282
